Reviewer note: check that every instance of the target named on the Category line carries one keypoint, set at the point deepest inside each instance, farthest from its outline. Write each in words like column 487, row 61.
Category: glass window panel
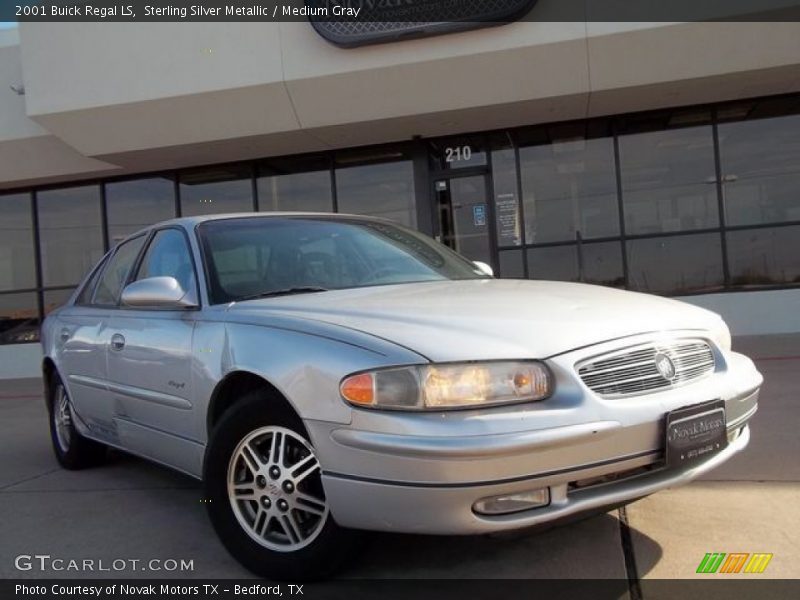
column 138, row 203
column 55, row 298
column 601, row 264
column 764, row 256
column 569, row 185
column 17, row 265
column 213, row 190
column 168, row 255
column 676, row 264
column 300, row 184
column 760, row 162
column 506, row 201
column 464, row 221
column 116, row 273
column 381, row 189
column 19, row 318
column 598, row 263
column 511, row 266
column 557, row 263
column 70, row 233
column 669, row 180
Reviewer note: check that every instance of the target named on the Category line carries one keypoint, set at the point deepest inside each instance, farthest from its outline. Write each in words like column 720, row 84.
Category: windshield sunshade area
column 255, row 257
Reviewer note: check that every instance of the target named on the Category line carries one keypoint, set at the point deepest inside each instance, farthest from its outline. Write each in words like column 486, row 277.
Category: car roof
column 196, row 220
column 190, row 223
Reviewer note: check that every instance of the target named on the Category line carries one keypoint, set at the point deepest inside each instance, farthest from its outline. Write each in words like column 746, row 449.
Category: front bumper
column 424, row 472
column 382, row 506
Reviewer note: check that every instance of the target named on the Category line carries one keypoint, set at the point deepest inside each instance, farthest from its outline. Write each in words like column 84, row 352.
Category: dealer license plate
column 695, row 432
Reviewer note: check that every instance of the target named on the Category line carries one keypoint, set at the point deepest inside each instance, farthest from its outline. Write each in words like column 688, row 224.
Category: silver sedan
column 324, row 374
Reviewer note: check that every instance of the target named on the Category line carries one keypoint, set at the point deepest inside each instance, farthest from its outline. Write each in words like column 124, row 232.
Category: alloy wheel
column 63, row 419
column 275, row 489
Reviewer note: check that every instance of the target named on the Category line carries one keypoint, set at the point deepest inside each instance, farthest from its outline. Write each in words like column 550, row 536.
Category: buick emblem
column 665, row 366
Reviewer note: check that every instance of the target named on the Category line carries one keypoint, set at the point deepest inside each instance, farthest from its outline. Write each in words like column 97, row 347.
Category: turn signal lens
column 451, row 385
column 359, row 389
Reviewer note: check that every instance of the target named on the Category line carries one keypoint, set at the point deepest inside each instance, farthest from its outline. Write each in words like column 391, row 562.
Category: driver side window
column 169, row 256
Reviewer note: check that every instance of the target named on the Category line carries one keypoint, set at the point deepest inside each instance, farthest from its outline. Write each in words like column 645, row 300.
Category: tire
column 268, row 507
column 72, row 450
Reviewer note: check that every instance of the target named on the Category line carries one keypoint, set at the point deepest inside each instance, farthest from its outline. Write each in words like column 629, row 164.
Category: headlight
column 445, row 386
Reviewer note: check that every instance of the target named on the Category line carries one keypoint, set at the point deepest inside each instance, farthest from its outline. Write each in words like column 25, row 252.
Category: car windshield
column 255, row 257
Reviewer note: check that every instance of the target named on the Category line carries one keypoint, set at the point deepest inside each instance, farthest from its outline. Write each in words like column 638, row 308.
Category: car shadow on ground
column 588, row 548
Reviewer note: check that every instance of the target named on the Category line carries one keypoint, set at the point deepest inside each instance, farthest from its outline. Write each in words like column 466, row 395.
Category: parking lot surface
column 130, row 509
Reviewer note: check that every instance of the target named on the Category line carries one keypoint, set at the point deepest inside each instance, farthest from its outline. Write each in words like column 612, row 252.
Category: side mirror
column 484, row 268
column 157, row 292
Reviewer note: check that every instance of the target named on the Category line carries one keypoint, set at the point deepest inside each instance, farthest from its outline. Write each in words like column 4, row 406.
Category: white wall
column 168, row 95
column 20, row 361
column 27, row 150
column 754, row 313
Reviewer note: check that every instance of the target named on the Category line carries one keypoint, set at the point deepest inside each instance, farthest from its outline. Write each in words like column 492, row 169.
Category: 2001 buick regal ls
column 326, row 373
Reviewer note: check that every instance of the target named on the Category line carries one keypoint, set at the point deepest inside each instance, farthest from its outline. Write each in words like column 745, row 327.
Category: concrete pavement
column 130, row 509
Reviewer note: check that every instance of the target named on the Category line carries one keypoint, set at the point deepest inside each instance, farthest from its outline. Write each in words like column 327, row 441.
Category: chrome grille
column 633, row 370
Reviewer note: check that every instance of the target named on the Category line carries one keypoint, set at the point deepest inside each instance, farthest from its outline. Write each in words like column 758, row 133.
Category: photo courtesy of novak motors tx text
column 346, row 298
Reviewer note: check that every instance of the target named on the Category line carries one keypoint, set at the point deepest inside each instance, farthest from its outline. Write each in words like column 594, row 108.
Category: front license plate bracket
column 695, row 433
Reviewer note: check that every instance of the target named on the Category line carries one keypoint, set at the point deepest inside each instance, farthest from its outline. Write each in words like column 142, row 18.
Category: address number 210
column 457, row 154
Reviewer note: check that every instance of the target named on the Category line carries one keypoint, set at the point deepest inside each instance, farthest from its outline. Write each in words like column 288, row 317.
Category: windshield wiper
column 284, row 292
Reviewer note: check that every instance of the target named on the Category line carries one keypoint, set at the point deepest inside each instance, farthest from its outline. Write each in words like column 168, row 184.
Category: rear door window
column 87, row 291
column 116, row 273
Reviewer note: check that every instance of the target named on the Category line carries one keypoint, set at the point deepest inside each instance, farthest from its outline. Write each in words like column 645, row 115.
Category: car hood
column 484, row 319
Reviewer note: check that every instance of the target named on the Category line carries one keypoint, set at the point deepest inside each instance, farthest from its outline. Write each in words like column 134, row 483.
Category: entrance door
column 463, row 209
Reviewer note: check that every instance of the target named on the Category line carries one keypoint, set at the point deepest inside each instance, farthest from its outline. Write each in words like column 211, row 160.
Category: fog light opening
column 512, row 503
column 734, row 434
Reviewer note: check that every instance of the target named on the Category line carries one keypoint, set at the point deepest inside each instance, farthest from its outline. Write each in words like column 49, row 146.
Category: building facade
column 662, row 158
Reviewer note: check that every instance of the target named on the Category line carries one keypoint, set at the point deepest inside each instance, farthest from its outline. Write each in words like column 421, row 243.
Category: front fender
column 304, row 367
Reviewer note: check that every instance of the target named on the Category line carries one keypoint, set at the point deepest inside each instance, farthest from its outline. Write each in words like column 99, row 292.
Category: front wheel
column 265, row 494
column 72, row 450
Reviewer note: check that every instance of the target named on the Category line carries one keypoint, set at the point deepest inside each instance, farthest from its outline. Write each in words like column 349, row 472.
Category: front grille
column 615, row 477
column 634, row 370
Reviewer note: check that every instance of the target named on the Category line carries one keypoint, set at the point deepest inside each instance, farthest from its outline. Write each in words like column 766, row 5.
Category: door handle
column 64, row 335
column 117, row 341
